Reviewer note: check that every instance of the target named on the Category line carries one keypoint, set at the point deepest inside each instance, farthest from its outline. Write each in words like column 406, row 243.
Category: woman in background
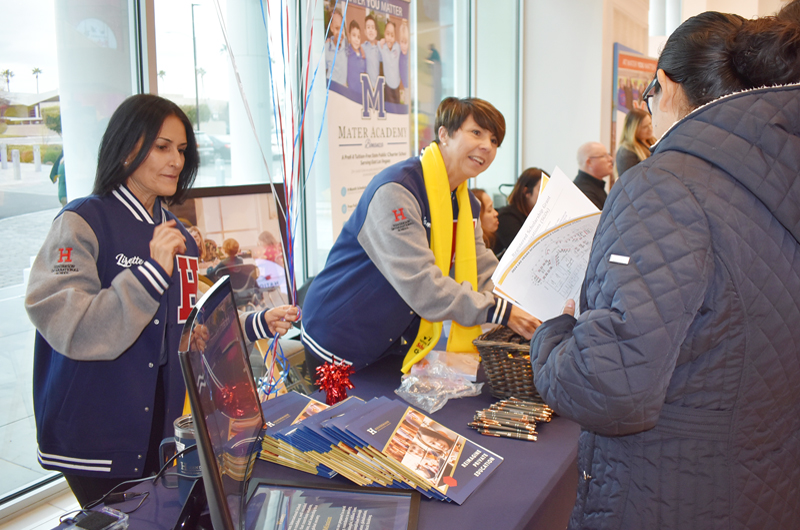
column 231, row 249
column 520, row 203
column 489, row 222
column 201, row 244
column 637, row 137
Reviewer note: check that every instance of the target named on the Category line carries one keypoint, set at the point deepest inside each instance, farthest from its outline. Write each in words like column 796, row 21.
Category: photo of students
column 230, row 247
column 390, row 56
column 371, row 51
column 356, row 62
column 336, row 56
column 404, row 39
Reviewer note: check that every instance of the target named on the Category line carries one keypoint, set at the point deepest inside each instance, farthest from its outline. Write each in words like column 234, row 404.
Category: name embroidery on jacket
column 124, row 261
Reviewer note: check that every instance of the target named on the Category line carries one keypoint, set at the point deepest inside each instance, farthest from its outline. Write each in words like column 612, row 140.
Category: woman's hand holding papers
column 522, row 322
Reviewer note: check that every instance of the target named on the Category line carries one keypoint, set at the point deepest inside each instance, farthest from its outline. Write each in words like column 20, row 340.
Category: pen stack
column 512, row 418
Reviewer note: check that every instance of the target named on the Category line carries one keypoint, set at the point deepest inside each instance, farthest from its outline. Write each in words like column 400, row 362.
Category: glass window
column 50, row 103
column 195, row 71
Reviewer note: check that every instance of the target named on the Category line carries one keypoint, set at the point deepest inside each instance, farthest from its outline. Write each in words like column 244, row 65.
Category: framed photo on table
column 239, row 230
column 275, row 504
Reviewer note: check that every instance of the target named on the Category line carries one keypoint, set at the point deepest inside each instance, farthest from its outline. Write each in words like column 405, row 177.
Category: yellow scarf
column 438, row 189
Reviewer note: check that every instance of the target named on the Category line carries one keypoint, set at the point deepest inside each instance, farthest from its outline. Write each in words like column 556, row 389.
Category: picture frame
column 241, row 232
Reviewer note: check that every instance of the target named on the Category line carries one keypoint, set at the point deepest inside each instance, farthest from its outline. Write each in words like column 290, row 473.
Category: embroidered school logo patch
column 187, row 270
column 64, row 264
column 400, row 223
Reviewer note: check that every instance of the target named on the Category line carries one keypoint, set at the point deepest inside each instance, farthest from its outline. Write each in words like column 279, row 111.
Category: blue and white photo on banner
column 368, row 121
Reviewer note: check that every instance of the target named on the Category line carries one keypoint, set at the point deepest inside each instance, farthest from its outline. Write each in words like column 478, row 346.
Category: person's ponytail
column 765, row 52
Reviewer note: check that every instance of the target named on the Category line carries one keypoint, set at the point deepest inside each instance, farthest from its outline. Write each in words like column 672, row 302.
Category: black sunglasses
column 650, row 92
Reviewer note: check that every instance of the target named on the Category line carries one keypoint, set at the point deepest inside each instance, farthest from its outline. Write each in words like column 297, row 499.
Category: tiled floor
column 43, row 516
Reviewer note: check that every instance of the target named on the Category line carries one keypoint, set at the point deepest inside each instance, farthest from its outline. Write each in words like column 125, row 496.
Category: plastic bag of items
column 430, row 386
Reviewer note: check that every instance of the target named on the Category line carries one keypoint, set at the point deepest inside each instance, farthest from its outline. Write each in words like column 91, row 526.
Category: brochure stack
column 381, row 443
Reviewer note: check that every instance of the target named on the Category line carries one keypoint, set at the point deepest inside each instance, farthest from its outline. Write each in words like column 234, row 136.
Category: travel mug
column 188, row 464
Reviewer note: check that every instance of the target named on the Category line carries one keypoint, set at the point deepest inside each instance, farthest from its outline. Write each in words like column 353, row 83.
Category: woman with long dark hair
column 108, row 293
column 682, row 367
column 521, row 201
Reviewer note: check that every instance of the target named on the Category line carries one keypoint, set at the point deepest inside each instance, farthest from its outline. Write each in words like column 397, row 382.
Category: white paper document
column 545, row 264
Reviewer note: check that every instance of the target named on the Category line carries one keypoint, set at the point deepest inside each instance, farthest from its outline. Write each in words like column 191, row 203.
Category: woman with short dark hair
column 386, row 287
column 521, row 201
column 108, row 293
column 682, row 367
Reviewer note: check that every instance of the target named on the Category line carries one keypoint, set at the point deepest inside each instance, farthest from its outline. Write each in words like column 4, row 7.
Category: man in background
column 595, row 164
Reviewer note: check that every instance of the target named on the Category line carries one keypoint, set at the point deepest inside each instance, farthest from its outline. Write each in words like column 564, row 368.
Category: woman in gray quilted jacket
column 683, row 367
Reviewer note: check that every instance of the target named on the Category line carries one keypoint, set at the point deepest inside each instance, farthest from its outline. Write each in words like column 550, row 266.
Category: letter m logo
column 372, row 98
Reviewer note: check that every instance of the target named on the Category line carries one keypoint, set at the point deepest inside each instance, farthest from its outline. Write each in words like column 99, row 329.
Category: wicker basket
column 505, row 357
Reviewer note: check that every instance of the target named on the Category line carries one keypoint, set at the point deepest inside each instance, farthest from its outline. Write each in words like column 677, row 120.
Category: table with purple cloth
column 534, row 487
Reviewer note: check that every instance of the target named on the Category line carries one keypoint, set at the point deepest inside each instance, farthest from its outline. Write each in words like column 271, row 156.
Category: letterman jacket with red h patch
column 107, row 317
column 381, row 276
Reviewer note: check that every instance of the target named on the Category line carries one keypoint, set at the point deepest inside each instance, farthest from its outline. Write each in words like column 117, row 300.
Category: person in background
column 637, row 137
column 404, row 40
column 356, row 61
column 108, row 293
column 682, row 367
column 270, row 248
column 390, row 56
column 595, row 164
column 521, row 201
column 269, row 260
column 386, row 286
column 488, row 217
column 58, row 173
column 336, row 56
column 230, row 247
column 371, row 52
column 198, row 239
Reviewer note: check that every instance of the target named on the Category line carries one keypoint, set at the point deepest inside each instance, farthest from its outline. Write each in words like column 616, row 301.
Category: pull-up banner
column 368, row 121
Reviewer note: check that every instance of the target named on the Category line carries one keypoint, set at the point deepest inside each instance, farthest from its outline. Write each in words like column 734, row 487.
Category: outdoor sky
column 28, row 41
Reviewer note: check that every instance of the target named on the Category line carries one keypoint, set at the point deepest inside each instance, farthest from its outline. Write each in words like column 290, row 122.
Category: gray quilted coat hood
column 684, row 366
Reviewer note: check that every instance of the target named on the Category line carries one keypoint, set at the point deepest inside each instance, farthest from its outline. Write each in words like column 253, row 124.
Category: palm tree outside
column 8, row 74
column 36, row 72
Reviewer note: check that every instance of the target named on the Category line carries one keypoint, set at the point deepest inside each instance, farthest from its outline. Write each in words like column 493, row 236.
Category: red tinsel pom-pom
column 334, row 380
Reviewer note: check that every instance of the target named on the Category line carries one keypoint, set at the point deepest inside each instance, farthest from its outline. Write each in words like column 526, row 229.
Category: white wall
column 562, row 78
column 496, row 62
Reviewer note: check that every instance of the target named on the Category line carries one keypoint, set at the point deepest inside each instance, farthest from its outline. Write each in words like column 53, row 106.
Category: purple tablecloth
column 533, row 488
